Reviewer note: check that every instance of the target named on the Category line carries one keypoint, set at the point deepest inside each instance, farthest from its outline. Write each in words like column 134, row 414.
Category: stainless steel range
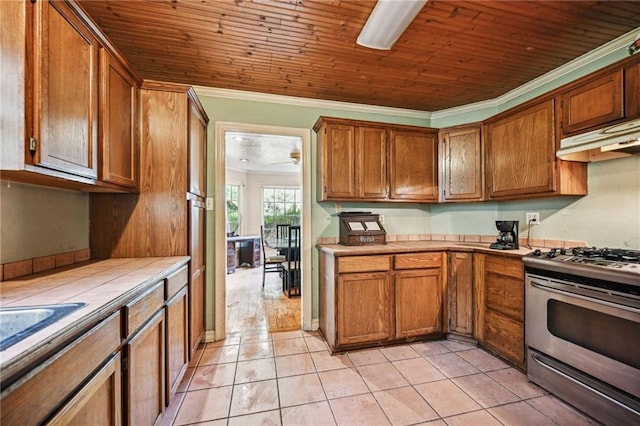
column 582, row 326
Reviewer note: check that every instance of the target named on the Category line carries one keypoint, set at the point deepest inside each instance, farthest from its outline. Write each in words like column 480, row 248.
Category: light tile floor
column 289, row 378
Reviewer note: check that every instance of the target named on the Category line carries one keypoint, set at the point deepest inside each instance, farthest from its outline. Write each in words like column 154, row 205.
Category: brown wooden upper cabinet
column 632, row 90
column 197, row 147
column 461, row 171
column 368, row 161
column 521, row 152
column 594, row 103
column 64, row 115
column 600, row 99
column 119, row 123
column 520, row 155
column 413, row 165
column 73, row 121
column 336, row 160
column 371, row 165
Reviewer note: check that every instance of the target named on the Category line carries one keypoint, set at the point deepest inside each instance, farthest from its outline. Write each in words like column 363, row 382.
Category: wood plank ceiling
column 454, row 52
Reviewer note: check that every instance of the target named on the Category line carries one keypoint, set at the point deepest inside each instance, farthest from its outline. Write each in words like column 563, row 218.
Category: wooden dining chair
column 291, row 275
column 270, row 263
column 282, row 230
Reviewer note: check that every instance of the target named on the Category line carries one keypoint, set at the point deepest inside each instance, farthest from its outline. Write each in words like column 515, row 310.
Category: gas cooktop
column 618, row 264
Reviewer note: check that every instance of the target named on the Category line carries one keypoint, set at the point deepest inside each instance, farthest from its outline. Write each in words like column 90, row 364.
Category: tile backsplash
column 20, row 268
column 488, row 239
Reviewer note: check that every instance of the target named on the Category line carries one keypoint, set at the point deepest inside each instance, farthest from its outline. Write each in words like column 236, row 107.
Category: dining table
column 281, row 245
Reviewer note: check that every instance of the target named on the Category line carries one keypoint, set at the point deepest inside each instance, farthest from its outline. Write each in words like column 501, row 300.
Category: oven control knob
column 537, row 252
column 563, row 251
column 552, row 254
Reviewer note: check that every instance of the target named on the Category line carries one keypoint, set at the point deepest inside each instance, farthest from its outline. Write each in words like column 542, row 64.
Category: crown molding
column 576, row 65
column 307, row 102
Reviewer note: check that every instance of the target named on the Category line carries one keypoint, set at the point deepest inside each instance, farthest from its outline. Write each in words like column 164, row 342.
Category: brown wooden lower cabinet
column 378, row 299
column 177, row 344
column 460, row 293
column 125, row 369
column 99, row 402
column 363, row 308
column 500, row 306
column 37, row 395
column 418, row 302
column 144, row 374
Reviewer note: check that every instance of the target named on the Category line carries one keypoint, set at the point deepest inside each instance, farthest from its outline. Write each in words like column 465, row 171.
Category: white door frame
column 220, row 243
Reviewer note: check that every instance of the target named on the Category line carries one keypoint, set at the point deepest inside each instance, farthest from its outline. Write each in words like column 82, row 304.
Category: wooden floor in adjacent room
column 253, row 308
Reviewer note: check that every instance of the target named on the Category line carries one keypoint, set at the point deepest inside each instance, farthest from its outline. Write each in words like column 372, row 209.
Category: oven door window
column 613, row 337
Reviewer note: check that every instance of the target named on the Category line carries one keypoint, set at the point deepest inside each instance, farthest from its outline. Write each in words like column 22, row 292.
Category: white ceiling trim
column 621, row 42
column 307, row 102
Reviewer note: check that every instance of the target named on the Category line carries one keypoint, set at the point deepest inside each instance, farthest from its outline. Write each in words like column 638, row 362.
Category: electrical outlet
column 381, row 217
column 209, row 202
column 533, row 218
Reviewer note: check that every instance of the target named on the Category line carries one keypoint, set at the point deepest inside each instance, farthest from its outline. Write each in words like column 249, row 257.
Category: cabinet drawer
column 140, row 309
column 505, row 266
column 176, row 281
column 364, row 264
column 505, row 336
column 418, row 260
column 505, row 295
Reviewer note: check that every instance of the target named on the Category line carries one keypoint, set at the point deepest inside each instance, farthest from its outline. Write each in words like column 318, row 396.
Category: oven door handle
column 589, row 296
column 575, row 379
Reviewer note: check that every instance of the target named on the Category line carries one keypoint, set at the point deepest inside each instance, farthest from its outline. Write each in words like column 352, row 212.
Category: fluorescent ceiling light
column 387, row 22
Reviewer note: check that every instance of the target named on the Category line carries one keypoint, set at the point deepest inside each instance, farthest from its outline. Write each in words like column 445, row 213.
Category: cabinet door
column 460, row 293
column 371, row 150
column 461, row 160
column 98, row 402
column 418, row 302
column 592, row 104
column 197, row 149
column 145, row 373
column 413, row 165
column 632, row 91
column 521, row 153
column 337, row 175
column 177, row 346
column 505, row 336
column 197, row 269
column 118, row 128
column 65, row 92
column 363, row 308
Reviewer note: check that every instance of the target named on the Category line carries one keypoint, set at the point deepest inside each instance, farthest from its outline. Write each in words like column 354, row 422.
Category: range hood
column 620, row 140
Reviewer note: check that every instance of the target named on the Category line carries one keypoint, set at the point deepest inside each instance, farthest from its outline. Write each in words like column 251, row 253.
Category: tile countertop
column 417, row 246
column 104, row 285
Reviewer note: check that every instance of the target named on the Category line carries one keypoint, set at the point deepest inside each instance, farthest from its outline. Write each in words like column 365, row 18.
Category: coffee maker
column 507, row 235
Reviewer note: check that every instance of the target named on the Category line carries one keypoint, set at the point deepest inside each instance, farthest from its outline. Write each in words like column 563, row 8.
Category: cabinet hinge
column 124, row 364
column 33, row 144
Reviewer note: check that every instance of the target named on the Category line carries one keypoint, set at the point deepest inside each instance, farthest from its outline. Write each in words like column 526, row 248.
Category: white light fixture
column 387, row 22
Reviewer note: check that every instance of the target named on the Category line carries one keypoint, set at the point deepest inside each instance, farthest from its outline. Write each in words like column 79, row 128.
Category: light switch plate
column 209, row 203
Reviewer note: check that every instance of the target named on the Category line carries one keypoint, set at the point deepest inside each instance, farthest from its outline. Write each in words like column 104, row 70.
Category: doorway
column 293, row 144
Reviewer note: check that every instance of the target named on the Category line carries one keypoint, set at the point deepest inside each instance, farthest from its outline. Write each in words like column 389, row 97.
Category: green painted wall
column 569, row 218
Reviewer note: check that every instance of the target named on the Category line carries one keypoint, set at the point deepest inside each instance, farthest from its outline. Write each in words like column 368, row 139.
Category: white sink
column 17, row 323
